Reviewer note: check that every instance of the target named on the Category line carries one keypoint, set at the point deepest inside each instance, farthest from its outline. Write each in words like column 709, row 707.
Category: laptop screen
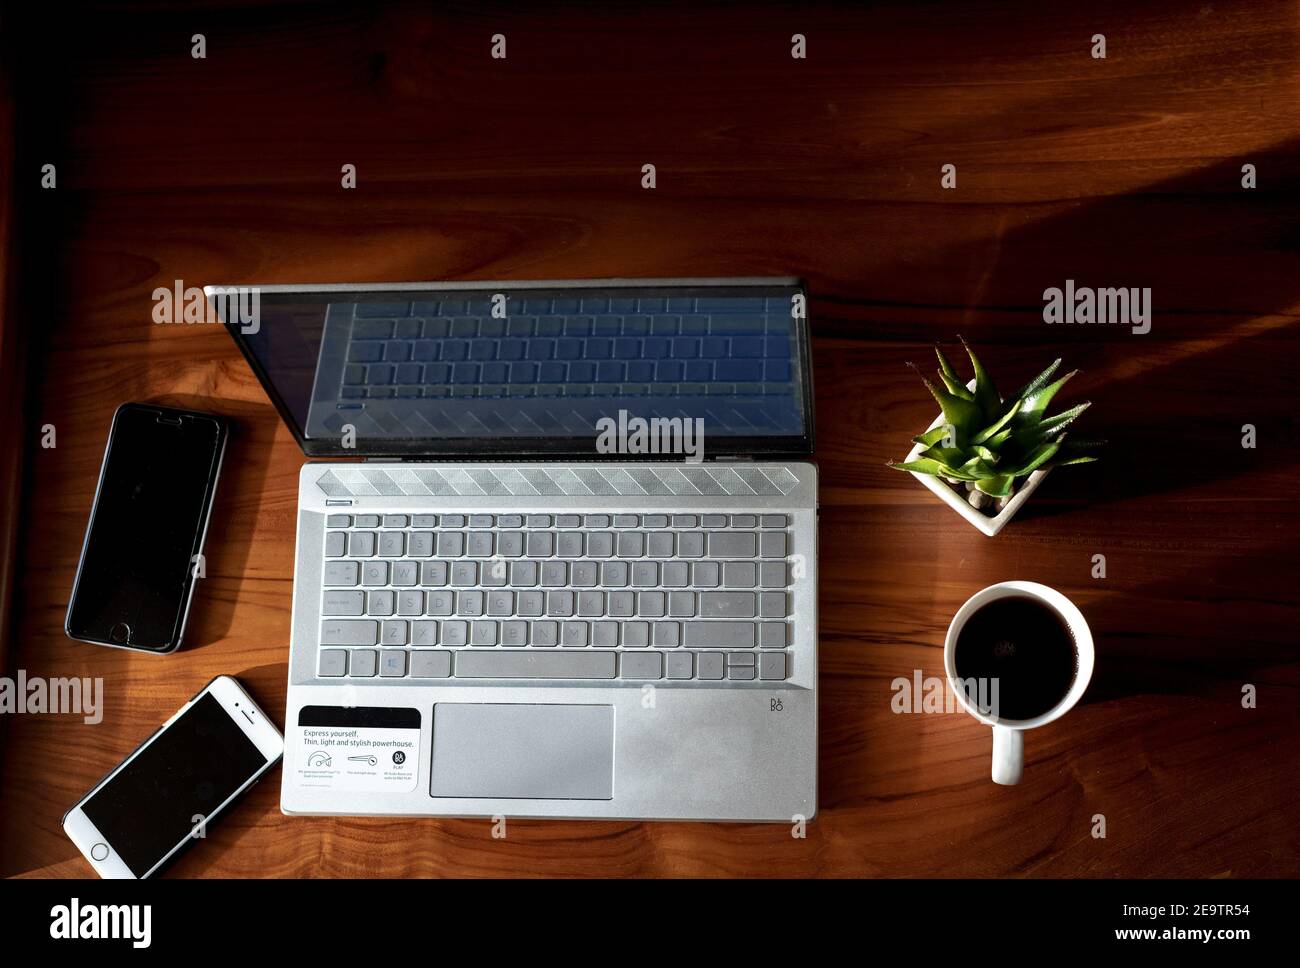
column 664, row 371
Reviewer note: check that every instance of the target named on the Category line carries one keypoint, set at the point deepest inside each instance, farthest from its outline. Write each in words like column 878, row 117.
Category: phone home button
column 120, row 632
column 99, row 851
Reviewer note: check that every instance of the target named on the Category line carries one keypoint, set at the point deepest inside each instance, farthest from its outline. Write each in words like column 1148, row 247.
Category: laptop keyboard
column 643, row 597
column 570, row 348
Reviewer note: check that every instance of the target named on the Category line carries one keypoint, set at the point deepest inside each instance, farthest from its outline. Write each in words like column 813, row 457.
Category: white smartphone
column 163, row 796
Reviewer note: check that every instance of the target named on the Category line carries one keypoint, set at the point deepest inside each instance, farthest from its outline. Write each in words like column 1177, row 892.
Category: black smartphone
column 143, row 544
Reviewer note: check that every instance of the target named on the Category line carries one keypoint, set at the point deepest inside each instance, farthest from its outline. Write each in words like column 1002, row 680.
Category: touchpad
column 532, row 751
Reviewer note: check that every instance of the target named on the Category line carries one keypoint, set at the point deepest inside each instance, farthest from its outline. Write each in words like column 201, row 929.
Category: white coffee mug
column 1009, row 735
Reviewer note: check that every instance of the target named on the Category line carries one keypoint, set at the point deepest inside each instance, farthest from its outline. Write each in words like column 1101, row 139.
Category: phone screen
column 137, row 569
column 181, row 778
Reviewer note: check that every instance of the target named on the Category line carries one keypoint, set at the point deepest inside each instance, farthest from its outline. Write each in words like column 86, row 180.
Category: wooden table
column 1123, row 171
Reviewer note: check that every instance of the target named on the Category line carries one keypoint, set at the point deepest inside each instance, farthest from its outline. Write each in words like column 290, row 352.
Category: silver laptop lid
column 531, row 369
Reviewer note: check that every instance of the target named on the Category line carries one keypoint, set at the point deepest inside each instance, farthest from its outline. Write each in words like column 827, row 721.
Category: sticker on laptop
column 367, row 748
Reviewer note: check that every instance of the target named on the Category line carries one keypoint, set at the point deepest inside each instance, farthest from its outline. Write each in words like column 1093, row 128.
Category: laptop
column 556, row 546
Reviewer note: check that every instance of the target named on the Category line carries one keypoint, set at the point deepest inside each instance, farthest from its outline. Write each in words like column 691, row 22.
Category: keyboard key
column 711, row 665
column 381, row 603
column 430, row 665
column 410, row 603
column 342, row 573
column 439, row 603
column 707, row 574
column 666, row 635
column 345, row 632
column 732, row 545
column 621, row 604
column 559, row 604
column 690, row 544
column 392, row 665
column 723, row 635
column 333, row 663
column 526, row 664
column 739, row 574
column 393, row 632
column 469, row 604
column 434, row 573
column 727, row 605
column 361, row 544
column 343, row 603
column 336, row 543
column 338, row 521
column 364, row 663
column 680, row 665
column 773, row 544
column 772, row 635
column 454, row 633
column 642, row 665
column 531, row 604
column 424, row 633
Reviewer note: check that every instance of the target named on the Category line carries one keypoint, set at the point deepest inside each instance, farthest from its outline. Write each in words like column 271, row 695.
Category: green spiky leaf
column 931, row 436
column 999, row 486
column 986, row 394
column 924, row 465
column 963, row 415
column 1037, row 382
column 992, row 429
column 1033, row 405
column 955, row 384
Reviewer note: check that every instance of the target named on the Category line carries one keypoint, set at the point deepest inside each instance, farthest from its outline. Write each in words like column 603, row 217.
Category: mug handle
column 1008, row 755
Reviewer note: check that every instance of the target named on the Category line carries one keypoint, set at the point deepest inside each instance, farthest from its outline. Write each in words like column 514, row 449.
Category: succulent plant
column 988, row 441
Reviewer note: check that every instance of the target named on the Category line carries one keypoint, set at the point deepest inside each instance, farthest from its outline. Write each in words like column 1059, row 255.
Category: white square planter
column 989, row 524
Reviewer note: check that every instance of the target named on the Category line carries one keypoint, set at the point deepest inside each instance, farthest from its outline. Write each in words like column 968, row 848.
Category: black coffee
column 1026, row 647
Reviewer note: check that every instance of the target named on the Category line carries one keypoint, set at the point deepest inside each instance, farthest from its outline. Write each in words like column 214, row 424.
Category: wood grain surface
column 1117, row 172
